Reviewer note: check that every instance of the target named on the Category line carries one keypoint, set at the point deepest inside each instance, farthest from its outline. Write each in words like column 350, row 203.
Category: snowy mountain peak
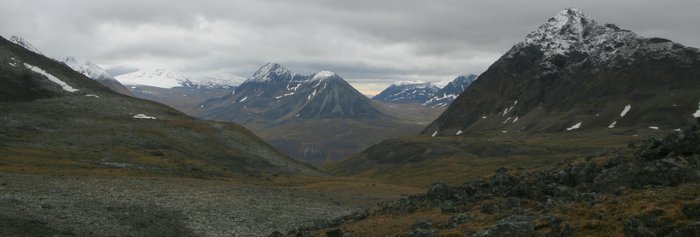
column 24, row 43
column 163, row 78
column 270, row 70
column 562, row 31
column 572, row 30
column 88, row 69
column 323, row 75
column 406, row 83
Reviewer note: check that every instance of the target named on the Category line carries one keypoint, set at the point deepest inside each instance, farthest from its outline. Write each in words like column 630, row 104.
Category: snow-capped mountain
column 408, row 92
column 96, row 73
column 275, row 93
column 573, row 74
column 24, row 43
column 165, row 78
column 451, row 90
column 88, row 69
column 162, row 78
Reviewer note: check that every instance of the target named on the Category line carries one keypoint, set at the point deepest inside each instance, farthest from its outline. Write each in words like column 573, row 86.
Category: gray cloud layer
column 371, row 43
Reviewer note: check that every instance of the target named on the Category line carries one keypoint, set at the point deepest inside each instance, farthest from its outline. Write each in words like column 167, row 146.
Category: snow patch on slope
column 143, row 116
column 576, row 126
column 52, row 78
column 625, row 110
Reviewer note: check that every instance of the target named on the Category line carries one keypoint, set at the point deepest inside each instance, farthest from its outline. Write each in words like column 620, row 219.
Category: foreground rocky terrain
column 38, row 205
column 652, row 189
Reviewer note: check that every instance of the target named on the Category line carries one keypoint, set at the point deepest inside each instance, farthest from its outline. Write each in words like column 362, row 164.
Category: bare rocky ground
column 38, row 205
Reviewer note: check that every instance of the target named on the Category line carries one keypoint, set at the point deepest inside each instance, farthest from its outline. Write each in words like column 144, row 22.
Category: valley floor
column 41, row 205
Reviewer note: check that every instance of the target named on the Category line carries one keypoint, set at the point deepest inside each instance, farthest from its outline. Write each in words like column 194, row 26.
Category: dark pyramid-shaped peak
column 271, row 72
column 573, row 73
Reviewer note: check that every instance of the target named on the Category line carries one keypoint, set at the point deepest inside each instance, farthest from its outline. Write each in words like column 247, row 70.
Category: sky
column 370, row 43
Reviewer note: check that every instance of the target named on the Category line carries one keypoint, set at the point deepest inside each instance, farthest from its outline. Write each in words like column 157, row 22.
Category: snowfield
column 52, row 78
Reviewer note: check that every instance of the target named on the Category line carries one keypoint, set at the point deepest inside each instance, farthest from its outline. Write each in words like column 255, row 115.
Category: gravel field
column 37, row 205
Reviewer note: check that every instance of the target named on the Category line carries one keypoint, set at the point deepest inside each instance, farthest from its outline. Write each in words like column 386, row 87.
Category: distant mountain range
column 275, row 94
column 408, row 92
column 449, row 92
column 57, row 120
column 314, row 118
column 426, row 93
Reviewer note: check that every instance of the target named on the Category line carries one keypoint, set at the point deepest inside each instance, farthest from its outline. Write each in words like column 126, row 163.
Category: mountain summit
column 25, row 44
column 572, row 73
column 97, row 73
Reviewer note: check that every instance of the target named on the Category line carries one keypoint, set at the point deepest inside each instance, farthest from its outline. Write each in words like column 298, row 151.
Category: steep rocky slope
column 575, row 74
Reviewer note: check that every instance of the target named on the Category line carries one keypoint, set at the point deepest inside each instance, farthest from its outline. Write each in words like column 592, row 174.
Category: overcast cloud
column 370, row 43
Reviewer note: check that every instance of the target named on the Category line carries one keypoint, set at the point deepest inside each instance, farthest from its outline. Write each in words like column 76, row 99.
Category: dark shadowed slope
column 573, row 73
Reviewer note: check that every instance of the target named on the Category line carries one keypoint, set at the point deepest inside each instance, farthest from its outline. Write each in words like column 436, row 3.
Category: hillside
column 648, row 189
column 56, row 120
column 575, row 74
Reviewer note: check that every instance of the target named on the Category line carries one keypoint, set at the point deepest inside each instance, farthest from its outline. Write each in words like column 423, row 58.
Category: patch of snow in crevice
column 576, row 126
column 612, row 125
column 143, row 116
column 697, row 113
column 678, row 130
column 52, row 78
column 654, row 127
column 459, row 132
column 12, row 64
column 624, row 111
column 244, row 98
column 516, row 119
column 506, row 111
column 92, row 95
column 506, row 121
column 285, row 95
column 434, row 134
